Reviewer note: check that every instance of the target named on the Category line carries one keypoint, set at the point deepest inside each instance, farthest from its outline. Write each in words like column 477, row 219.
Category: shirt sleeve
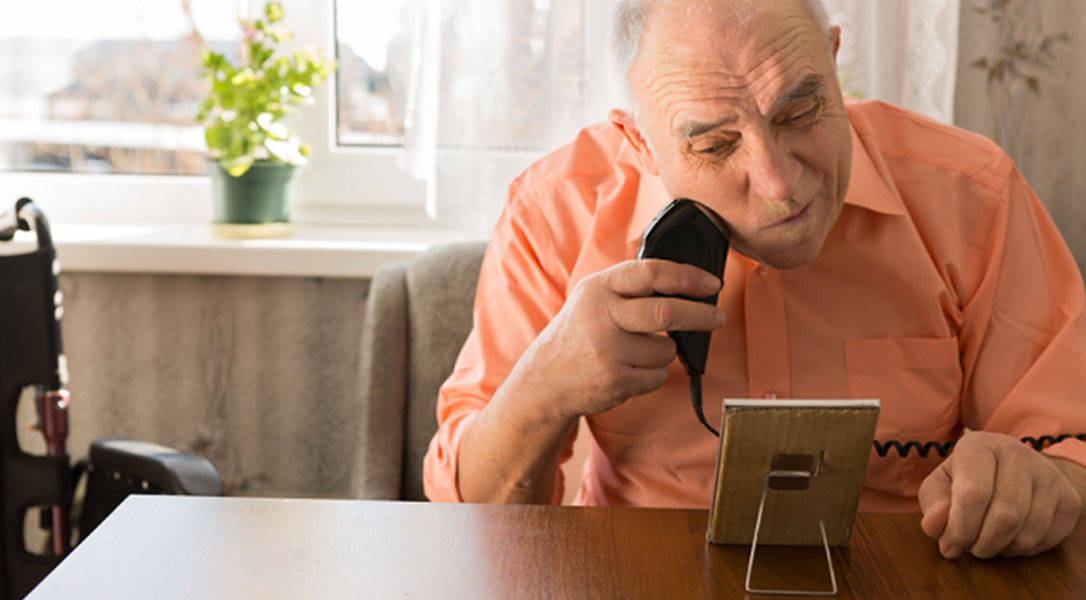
column 1024, row 327
column 521, row 288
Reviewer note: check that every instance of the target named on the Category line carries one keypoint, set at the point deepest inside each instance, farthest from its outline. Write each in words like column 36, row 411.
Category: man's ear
column 625, row 124
column 835, row 39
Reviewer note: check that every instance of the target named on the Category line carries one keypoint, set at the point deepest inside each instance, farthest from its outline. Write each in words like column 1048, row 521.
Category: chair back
column 417, row 318
column 30, row 357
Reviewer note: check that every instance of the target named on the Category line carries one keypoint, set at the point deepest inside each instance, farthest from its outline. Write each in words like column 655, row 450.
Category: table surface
column 185, row 547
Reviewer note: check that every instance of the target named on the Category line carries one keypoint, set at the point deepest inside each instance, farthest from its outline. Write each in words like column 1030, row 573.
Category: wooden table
column 184, row 547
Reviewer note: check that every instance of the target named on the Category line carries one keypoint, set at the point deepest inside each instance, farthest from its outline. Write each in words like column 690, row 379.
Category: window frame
column 341, row 185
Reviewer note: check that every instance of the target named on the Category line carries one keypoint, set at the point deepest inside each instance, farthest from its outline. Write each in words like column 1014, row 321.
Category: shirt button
column 763, row 270
column 769, row 396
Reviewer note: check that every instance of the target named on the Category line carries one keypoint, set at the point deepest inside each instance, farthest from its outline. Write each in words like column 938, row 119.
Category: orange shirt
column 943, row 289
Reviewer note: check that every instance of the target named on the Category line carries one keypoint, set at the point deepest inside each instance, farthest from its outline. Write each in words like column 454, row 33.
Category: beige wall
column 256, row 373
column 1042, row 127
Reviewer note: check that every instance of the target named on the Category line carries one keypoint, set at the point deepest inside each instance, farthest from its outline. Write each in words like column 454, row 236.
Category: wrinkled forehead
column 738, row 42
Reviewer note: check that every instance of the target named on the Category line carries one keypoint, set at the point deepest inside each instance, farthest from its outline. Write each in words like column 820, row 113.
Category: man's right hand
column 606, row 344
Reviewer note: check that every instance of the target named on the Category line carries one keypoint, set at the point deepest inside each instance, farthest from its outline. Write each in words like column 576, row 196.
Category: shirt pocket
column 918, row 381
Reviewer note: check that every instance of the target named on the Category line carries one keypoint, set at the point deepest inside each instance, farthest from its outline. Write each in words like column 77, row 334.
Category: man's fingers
column 1003, row 499
column 972, row 477
column 1010, row 507
column 645, row 350
column 1037, row 525
column 1063, row 521
column 934, row 497
column 640, row 278
column 637, row 381
column 661, row 313
column 934, row 521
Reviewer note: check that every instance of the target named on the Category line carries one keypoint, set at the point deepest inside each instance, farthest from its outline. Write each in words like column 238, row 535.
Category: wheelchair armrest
column 155, row 466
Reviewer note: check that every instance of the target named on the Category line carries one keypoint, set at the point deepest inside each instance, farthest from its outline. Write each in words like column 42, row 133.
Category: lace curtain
column 901, row 51
column 495, row 84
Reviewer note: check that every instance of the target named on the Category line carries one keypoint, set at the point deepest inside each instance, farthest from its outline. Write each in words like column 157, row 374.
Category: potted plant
column 253, row 154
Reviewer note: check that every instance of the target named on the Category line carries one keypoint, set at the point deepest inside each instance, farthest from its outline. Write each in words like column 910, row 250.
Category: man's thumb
column 934, row 497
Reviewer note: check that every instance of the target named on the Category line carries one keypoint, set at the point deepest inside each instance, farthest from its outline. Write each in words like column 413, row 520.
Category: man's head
column 735, row 103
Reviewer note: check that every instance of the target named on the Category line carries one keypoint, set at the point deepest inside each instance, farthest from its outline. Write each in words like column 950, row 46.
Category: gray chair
column 417, row 318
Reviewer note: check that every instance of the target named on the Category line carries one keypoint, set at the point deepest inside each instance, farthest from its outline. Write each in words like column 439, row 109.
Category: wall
column 258, row 374
column 1021, row 83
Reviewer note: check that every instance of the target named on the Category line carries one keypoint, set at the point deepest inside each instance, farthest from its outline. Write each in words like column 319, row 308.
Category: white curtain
column 495, row 84
column 901, row 51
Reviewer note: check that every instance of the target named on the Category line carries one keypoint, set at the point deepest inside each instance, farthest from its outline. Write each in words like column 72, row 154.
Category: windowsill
column 189, row 248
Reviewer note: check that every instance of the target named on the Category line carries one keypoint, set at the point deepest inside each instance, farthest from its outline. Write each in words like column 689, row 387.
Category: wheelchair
column 32, row 364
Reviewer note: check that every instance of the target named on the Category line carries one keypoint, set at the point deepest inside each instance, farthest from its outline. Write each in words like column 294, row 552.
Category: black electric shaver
column 687, row 231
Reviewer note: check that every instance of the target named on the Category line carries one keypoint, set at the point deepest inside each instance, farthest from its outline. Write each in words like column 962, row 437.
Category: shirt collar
column 870, row 187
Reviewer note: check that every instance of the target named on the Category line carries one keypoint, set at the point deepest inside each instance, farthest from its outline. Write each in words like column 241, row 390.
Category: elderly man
column 874, row 254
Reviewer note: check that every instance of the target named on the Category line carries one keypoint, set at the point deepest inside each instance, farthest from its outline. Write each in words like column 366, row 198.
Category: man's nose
column 773, row 172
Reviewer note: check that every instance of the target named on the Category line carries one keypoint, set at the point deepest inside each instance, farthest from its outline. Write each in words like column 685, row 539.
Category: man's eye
column 711, row 149
column 803, row 116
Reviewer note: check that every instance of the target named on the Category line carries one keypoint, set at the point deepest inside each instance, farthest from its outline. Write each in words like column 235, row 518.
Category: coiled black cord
column 921, row 449
column 882, row 449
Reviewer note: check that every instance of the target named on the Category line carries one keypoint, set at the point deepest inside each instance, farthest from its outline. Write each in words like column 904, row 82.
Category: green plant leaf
column 273, row 12
column 281, row 34
column 217, row 137
column 242, row 77
column 237, row 167
column 264, row 86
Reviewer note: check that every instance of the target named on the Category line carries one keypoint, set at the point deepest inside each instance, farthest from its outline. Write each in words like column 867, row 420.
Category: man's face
column 740, row 106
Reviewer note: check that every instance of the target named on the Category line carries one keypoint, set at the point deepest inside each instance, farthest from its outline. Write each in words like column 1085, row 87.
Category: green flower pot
column 257, row 204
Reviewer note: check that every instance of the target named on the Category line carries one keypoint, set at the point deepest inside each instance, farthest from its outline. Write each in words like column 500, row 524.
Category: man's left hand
column 996, row 496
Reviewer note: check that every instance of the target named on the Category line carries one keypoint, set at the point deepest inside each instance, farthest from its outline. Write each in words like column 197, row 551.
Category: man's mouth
column 795, row 218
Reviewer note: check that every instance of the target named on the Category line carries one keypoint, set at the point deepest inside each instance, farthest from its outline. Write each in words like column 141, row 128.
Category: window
column 113, row 91
column 106, row 91
column 373, row 64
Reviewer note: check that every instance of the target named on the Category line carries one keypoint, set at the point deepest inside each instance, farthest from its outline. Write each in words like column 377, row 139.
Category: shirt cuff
column 1070, row 449
column 441, row 466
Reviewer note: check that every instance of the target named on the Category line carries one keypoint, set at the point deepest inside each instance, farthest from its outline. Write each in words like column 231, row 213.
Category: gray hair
column 629, row 25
